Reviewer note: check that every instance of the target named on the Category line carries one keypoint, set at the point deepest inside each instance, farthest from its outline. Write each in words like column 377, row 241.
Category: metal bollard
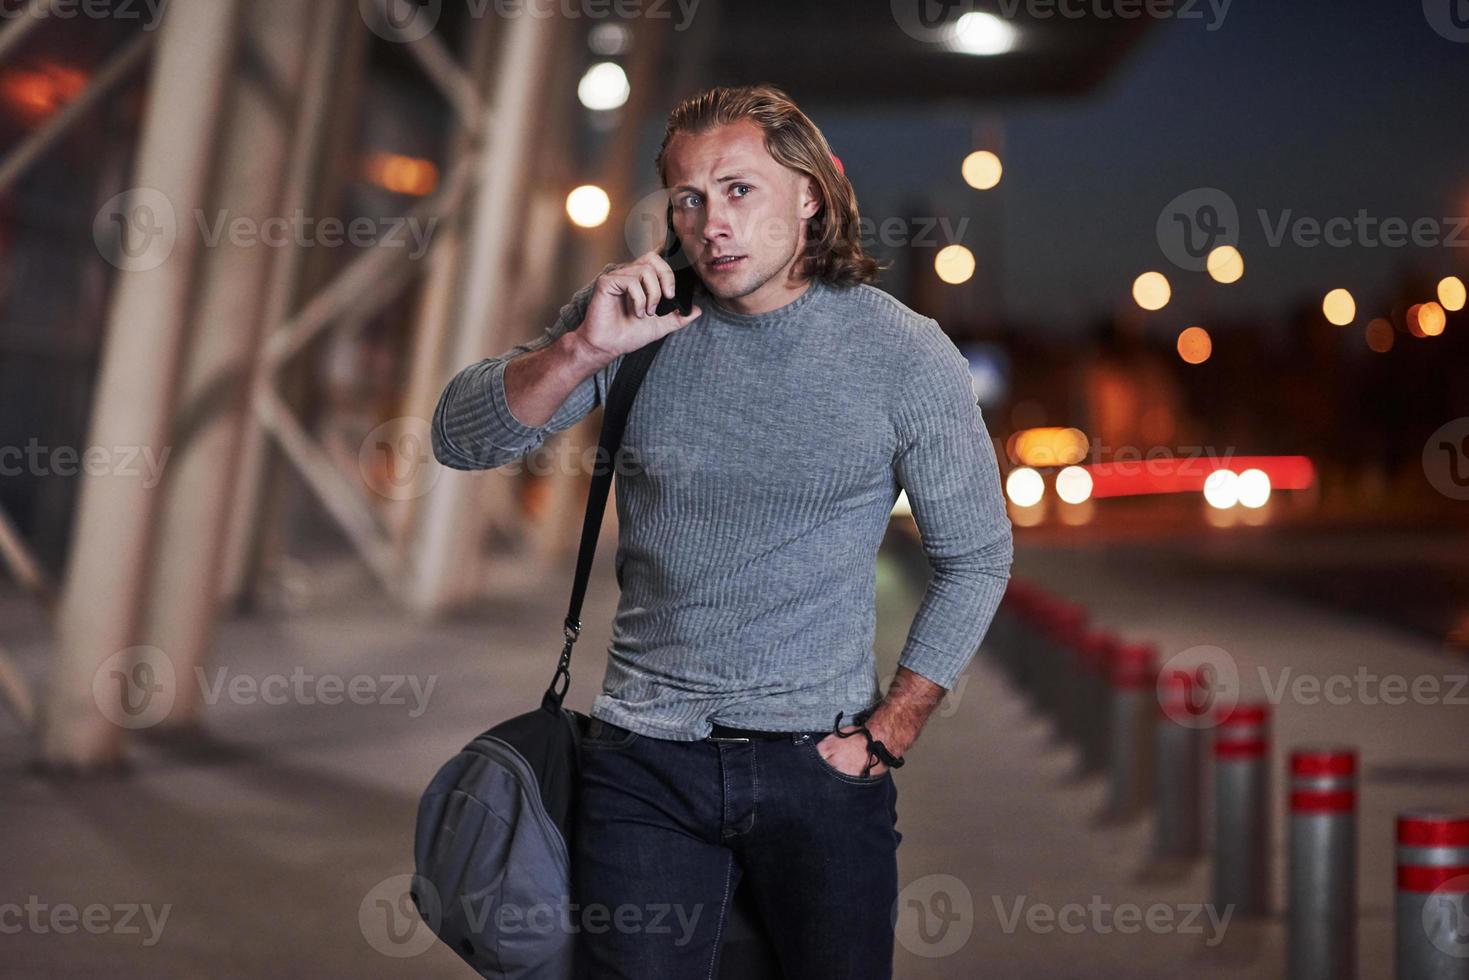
column 1071, row 637
column 1178, row 833
column 1008, row 626
column 1024, row 617
column 1241, row 810
column 1096, row 659
column 1433, row 896
column 1321, row 926
column 999, row 642
column 1059, row 619
column 1032, row 644
column 1129, row 730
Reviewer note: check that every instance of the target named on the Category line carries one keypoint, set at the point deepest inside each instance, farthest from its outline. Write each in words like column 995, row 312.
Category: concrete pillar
column 228, row 315
column 443, row 561
column 339, row 53
column 101, row 601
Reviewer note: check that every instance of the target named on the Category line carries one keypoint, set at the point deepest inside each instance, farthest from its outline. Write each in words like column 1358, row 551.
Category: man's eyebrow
column 737, row 175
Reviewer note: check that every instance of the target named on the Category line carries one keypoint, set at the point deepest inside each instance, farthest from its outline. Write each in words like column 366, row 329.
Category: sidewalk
column 1411, row 755
column 268, row 844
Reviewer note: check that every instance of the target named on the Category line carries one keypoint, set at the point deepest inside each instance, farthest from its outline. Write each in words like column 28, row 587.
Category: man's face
column 739, row 213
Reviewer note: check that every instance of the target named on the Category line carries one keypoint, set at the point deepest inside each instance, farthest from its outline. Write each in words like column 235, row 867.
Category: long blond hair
column 834, row 250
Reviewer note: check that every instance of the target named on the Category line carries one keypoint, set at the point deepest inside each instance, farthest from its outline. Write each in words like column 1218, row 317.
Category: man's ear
column 810, row 197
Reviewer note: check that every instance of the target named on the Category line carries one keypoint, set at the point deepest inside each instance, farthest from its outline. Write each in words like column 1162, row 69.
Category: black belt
column 727, row 731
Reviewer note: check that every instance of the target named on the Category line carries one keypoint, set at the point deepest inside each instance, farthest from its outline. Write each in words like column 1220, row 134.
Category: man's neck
column 765, row 299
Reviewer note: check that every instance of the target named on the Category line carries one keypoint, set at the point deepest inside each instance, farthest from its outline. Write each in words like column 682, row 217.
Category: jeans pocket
column 821, row 763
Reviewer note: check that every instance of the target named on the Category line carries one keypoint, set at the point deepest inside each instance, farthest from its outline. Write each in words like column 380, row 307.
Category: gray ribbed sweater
column 763, row 457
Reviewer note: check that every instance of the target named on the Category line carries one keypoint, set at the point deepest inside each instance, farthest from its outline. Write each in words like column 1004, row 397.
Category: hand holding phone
column 636, row 303
column 684, row 280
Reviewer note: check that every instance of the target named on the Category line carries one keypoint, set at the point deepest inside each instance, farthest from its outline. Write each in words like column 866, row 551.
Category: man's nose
column 716, row 222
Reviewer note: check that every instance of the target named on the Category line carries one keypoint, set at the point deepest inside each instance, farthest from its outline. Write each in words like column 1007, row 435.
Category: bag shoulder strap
column 625, row 384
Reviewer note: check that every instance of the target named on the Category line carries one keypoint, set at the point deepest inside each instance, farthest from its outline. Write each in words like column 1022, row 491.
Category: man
column 772, row 435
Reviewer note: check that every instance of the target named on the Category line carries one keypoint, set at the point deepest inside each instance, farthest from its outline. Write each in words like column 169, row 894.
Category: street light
column 1151, row 291
column 588, row 206
column 982, row 170
column 1225, row 264
column 982, row 33
column 1451, row 293
column 954, row 264
column 1340, row 308
column 604, row 86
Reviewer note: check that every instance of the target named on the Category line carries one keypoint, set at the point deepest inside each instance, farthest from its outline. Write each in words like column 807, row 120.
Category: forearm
column 904, row 710
column 537, row 384
column 497, row 410
column 963, row 594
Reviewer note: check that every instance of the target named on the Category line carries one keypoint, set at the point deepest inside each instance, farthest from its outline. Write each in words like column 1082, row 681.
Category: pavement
column 273, row 843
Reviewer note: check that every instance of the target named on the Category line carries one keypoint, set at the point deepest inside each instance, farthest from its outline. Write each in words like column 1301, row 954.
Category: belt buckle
column 725, row 738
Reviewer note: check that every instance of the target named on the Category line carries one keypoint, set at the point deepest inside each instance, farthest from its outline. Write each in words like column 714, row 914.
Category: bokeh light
column 1253, row 488
column 1431, row 319
column 1221, row 489
column 1340, row 308
column 1411, row 317
column 1151, row 291
column 610, row 39
column 1451, row 293
column 1380, row 335
column 1049, row 446
column 1195, row 345
column 982, row 170
column 604, row 86
column 400, row 174
column 983, row 33
column 1226, row 264
column 954, row 264
column 588, row 206
column 1074, row 485
column 1024, row 487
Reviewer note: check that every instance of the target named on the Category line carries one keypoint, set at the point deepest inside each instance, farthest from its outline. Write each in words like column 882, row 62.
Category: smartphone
column 684, row 276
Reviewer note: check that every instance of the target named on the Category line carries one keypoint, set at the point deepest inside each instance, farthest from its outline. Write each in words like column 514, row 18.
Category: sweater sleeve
column 473, row 427
column 945, row 462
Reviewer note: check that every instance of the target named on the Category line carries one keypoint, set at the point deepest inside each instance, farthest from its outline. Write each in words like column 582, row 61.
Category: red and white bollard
column 1178, row 833
column 1071, row 701
column 1321, row 924
column 1433, row 896
column 1241, row 810
column 1037, row 607
column 1129, row 731
column 1066, row 620
column 1095, row 661
column 1007, row 636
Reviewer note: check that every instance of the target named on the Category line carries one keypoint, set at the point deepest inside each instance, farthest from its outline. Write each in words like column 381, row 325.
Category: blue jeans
column 667, row 830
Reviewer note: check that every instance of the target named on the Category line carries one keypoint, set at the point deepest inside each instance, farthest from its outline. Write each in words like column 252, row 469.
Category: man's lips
column 723, row 262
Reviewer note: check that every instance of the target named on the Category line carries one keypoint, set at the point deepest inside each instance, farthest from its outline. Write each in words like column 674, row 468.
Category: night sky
column 1323, row 108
